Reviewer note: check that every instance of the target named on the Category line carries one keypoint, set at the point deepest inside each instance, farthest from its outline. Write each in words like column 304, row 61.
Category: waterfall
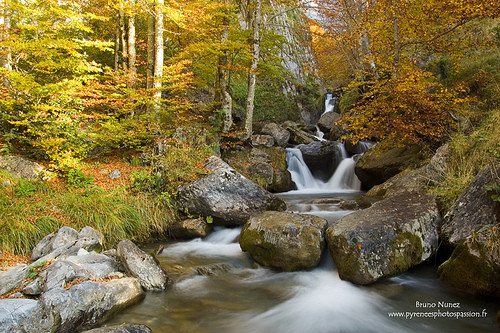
column 301, row 175
column 329, row 103
column 343, row 179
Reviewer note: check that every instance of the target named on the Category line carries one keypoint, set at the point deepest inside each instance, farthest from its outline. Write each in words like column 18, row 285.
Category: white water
column 343, row 179
column 329, row 103
column 246, row 299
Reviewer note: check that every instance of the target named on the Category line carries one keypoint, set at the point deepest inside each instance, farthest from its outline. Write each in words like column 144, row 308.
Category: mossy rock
column 474, row 266
column 386, row 239
column 285, row 241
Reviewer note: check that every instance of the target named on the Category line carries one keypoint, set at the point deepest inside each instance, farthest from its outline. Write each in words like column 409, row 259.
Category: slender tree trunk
column 117, row 42
column 151, row 51
column 131, row 45
column 123, row 40
column 5, row 55
column 253, row 68
column 158, row 70
column 222, row 93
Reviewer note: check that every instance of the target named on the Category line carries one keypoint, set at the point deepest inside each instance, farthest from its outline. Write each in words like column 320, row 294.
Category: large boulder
column 418, row 180
column 473, row 209
column 139, row 263
column 474, row 266
column 279, row 134
column 386, row 239
column 83, row 305
column 297, row 135
column 375, row 167
column 284, row 240
column 327, row 121
column 265, row 166
column 226, row 195
column 322, row 157
column 22, row 168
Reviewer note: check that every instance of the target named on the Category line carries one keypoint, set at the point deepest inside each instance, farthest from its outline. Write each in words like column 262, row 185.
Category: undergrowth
column 30, row 210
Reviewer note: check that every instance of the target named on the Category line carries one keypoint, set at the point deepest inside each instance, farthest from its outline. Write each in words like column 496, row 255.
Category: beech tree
column 256, row 17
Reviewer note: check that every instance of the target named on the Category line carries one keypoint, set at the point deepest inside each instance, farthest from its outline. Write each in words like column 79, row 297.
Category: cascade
column 329, row 103
column 343, row 179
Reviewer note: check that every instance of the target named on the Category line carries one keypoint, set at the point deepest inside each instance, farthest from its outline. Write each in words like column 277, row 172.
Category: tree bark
column 222, row 92
column 131, row 45
column 5, row 55
column 123, row 40
column 253, row 68
column 151, row 51
column 158, row 69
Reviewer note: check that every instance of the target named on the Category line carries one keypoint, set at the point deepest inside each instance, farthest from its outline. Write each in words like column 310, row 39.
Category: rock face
column 140, row 264
column 22, row 168
column 373, row 169
column 322, row 157
column 265, row 166
column 474, row 266
column 190, row 228
column 284, row 240
column 226, row 195
column 386, row 239
column 473, row 209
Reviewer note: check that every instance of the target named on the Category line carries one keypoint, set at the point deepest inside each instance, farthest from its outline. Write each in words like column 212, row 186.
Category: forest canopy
column 79, row 74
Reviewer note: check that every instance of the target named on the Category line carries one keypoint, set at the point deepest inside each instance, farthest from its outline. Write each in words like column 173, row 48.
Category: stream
column 218, row 289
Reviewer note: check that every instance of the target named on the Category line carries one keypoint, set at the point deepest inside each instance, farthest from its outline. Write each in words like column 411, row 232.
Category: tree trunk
column 222, row 93
column 253, row 68
column 158, row 70
column 123, row 40
column 5, row 55
column 117, row 42
column 131, row 45
column 151, row 51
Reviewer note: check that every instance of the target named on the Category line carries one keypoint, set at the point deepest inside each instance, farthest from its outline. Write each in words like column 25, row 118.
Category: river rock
column 22, row 168
column 474, row 266
column 83, row 305
column 322, row 157
column 473, row 209
column 265, row 166
column 12, row 278
column 14, row 313
column 132, row 328
column 139, row 263
column 66, row 241
column 298, row 136
column 190, row 228
column 97, row 266
column 262, row 140
column 374, row 167
column 386, row 239
column 418, row 180
column 328, row 120
column 283, row 240
column 279, row 134
column 226, row 195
